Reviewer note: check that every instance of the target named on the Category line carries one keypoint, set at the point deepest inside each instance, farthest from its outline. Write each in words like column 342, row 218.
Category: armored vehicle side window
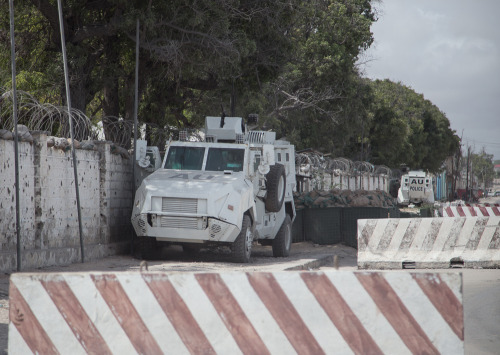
column 185, row 158
column 220, row 159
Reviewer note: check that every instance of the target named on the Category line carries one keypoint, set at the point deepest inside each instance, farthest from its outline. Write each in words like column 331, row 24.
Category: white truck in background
column 231, row 189
column 416, row 187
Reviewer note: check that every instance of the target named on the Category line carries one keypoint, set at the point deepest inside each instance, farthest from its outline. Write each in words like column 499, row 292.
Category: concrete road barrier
column 429, row 243
column 471, row 211
column 231, row 313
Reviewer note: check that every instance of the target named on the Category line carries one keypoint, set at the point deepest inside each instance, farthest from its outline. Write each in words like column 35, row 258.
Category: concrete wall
column 49, row 217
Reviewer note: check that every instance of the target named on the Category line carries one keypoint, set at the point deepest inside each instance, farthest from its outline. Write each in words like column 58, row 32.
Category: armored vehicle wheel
column 275, row 185
column 149, row 247
column 242, row 246
column 283, row 241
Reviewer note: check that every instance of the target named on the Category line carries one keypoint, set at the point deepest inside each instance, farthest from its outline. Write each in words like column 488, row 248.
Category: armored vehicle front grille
column 180, row 222
column 179, row 205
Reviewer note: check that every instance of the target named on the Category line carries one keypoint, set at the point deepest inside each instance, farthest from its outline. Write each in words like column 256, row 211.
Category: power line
column 481, row 142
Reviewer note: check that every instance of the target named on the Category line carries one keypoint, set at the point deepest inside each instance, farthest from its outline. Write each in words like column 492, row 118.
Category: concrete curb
column 313, row 264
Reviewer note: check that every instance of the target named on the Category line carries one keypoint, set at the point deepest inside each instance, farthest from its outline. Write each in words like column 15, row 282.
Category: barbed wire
column 42, row 117
column 54, row 119
column 314, row 164
column 341, row 164
column 382, row 170
column 363, row 167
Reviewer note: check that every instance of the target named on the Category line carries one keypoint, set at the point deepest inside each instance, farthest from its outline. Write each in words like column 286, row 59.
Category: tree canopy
column 408, row 129
column 291, row 61
column 482, row 166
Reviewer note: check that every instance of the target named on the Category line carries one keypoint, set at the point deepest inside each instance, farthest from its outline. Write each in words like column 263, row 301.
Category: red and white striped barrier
column 233, row 313
column 471, row 211
column 429, row 242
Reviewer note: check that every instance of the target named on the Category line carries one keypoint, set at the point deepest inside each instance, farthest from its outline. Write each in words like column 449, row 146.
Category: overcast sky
column 449, row 51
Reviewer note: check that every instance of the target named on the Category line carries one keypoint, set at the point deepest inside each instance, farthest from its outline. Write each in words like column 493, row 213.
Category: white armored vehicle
column 416, row 187
column 231, row 189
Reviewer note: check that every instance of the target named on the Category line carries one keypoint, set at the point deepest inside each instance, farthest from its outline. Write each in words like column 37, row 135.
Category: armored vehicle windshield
column 193, row 158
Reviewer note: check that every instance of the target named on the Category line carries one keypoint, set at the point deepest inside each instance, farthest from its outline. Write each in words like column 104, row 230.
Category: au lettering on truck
column 414, row 182
column 196, row 177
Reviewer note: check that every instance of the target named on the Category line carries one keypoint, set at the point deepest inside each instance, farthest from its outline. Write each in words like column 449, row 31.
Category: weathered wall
column 49, row 217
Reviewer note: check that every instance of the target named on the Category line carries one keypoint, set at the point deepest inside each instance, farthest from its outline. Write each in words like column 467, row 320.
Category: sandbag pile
column 116, row 149
column 23, row 134
column 343, row 198
column 7, row 135
column 65, row 143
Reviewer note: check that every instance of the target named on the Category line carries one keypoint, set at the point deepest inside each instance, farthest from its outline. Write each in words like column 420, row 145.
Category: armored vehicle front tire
column 242, row 246
column 283, row 240
column 276, row 186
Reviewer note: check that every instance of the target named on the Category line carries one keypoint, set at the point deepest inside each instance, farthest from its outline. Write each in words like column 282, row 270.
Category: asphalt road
column 481, row 297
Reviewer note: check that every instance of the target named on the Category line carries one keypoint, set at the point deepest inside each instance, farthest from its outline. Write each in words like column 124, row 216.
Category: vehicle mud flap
column 275, row 186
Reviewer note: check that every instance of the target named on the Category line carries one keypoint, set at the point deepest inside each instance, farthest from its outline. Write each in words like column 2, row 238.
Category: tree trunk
column 110, row 89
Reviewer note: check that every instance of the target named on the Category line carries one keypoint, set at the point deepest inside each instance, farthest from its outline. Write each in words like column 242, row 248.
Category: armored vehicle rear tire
column 276, row 186
column 148, row 247
column 242, row 246
column 283, row 241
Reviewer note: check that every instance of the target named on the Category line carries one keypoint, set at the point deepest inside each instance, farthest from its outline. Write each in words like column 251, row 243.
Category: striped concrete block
column 471, row 211
column 429, row 243
column 234, row 313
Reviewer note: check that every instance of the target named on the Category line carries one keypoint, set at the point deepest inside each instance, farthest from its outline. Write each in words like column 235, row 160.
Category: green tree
column 408, row 129
column 482, row 167
column 292, row 61
column 312, row 95
column 188, row 48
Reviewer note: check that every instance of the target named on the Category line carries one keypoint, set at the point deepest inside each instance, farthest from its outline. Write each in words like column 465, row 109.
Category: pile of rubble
column 343, row 198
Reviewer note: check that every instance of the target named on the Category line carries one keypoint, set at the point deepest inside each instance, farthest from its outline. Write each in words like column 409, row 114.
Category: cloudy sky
column 449, row 51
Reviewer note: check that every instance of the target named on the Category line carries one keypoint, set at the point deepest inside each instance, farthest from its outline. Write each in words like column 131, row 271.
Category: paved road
column 481, row 292
column 482, row 311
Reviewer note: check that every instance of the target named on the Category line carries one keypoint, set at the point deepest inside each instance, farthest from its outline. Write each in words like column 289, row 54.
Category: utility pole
column 467, row 176
column 16, row 137
column 471, row 181
column 70, row 118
